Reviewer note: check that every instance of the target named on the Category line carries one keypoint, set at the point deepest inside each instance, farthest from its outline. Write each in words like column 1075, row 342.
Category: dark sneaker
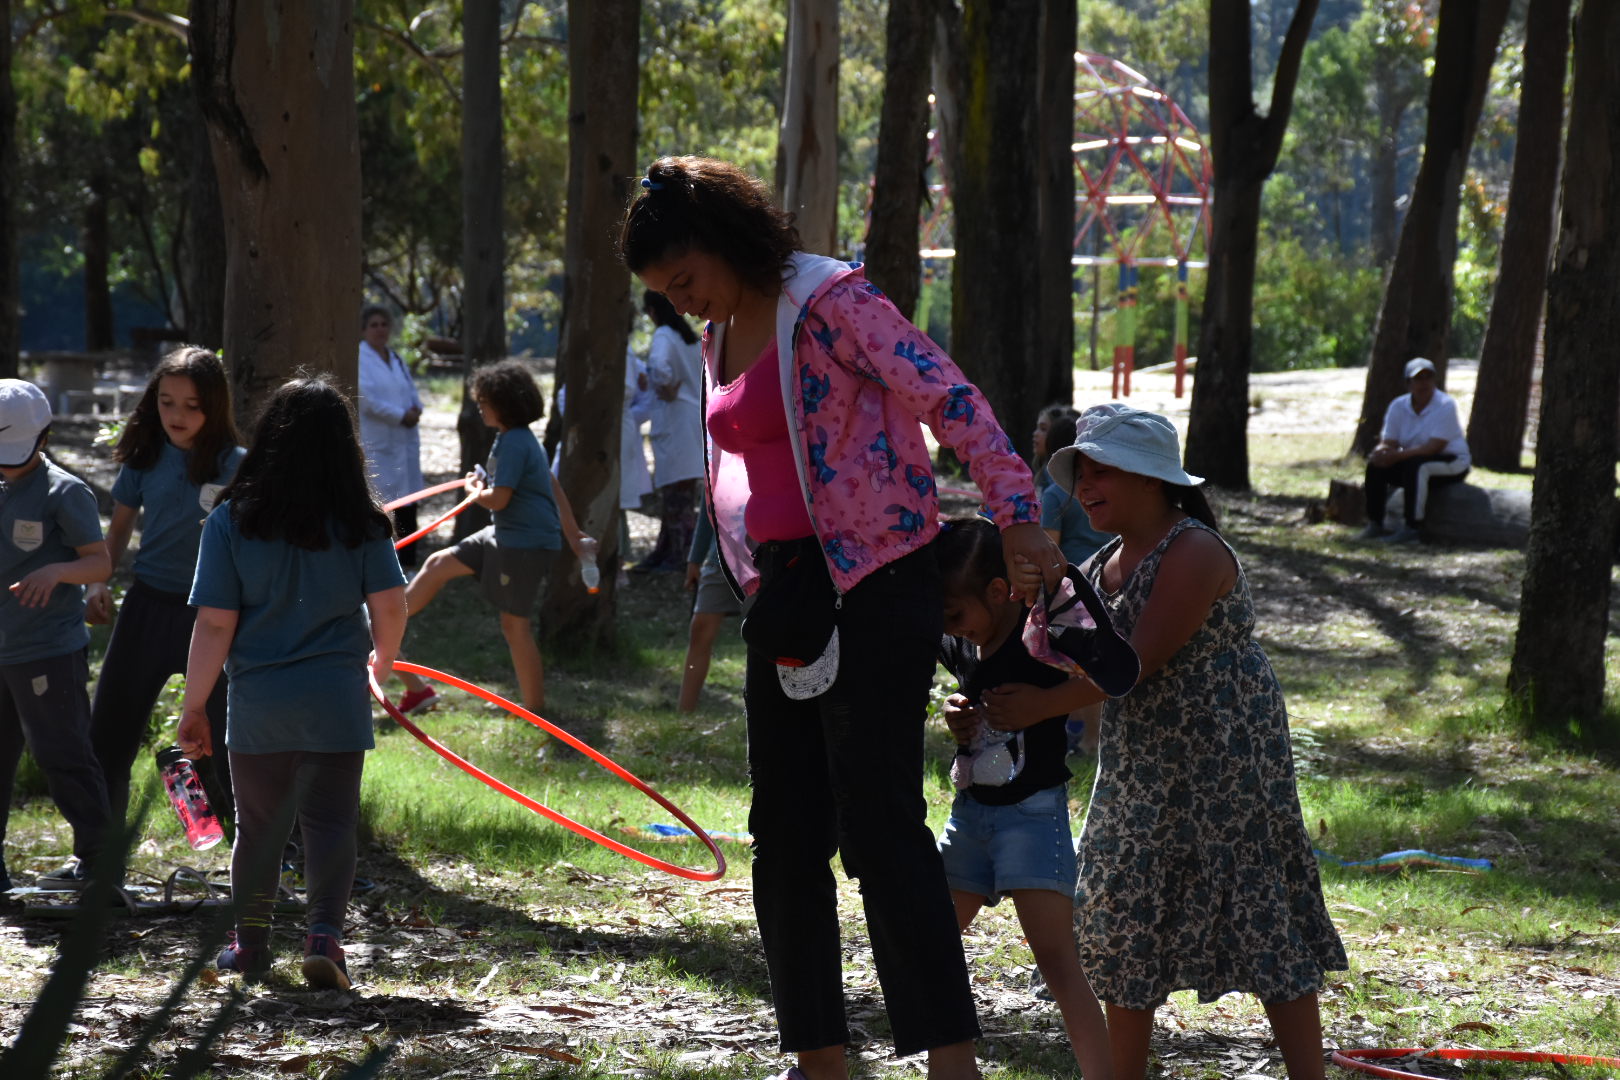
column 71, row 876
column 1373, row 531
column 323, row 963
column 1406, row 534
column 252, row 962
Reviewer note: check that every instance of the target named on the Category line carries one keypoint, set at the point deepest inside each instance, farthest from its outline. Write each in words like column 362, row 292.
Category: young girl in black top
column 1008, row 834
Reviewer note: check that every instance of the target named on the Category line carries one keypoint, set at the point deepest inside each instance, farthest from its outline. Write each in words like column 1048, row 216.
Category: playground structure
column 1142, row 197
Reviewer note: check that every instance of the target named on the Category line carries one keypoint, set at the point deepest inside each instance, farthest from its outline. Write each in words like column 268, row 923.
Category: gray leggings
column 323, row 790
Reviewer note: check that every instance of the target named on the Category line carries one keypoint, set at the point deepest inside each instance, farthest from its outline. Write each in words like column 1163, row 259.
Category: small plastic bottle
column 185, row 790
column 589, row 573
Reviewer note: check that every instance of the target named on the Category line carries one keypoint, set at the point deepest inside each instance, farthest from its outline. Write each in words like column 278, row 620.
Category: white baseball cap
column 1417, row 364
column 1126, row 438
column 25, row 414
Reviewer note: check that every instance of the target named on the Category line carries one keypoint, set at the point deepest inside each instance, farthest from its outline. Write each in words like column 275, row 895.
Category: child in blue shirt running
column 178, row 451
column 50, row 546
column 293, row 559
column 512, row 556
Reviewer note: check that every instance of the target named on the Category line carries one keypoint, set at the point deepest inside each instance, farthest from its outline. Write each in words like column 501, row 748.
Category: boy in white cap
column 50, row 548
column 1422, row 445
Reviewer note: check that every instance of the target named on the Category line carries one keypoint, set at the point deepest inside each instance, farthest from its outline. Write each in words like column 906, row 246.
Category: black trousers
column 149, row 643
column 843, row 773
column 1414, row 476
column 43, row 705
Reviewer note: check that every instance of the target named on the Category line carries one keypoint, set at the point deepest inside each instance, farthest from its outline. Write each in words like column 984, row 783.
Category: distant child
column 178, row 451
column 295, row 556
column 712, row 602
column 50, row 546
column 1061, row 515
column 512, row 556
column 1195, row 868
column 1008, row 834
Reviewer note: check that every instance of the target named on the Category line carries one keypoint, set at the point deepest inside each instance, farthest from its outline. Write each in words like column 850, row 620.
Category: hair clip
column 650, row 184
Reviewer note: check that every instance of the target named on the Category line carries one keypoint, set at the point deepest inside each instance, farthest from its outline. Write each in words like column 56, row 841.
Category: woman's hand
column 1032, row 559
column 1014, row 706
column 98, row 604
column 961, row 716
column 193, row 735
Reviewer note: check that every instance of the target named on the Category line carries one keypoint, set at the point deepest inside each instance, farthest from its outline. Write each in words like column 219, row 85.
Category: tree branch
column 1282, row 85
column 176, row 25
column 405, row 39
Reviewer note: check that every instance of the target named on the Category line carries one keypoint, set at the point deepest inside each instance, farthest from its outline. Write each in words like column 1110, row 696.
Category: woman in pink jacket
column 823, row 495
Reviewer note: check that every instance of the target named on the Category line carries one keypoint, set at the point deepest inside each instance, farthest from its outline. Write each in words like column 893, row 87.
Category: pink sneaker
column 416, row 701
column 323, row 963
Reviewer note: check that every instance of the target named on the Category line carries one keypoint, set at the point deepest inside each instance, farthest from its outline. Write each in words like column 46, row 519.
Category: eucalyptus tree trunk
column 1507, row 357
column 1244, row 145
column 892, row 259
column 204, row 260
column 995, row 283
column 603, row 74
column 807, row 147
column 1558, row 655
column 276, row 86
column 1415, row 316
column 483, row 234
column 1054, row 334
column 10, row 339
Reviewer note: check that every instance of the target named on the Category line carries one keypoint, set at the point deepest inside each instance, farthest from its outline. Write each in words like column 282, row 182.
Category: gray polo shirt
column 45, row 517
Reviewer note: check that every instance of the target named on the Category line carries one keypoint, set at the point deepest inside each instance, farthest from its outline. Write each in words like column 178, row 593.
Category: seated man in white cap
column 1422, row 445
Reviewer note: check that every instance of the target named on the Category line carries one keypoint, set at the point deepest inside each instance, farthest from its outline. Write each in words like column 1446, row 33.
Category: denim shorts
column 991, row 850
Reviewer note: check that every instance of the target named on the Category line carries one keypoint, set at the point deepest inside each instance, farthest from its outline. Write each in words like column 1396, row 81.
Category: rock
column 1465, row 514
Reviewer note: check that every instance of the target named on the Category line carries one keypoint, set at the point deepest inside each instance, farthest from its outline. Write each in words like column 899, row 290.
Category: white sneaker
column 1373, row 531
column 1406, row 534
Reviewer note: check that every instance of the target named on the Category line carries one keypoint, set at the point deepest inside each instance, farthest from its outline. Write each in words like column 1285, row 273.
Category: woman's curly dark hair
column 713, row 206
column 509, row 389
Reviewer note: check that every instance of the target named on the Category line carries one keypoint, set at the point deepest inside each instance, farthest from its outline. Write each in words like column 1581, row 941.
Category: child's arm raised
column 98, row 606
column 387, row 611
column 91, row 565
column 211, row 638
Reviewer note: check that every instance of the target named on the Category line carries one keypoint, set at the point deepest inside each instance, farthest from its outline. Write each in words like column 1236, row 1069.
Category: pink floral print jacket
column 858, row 383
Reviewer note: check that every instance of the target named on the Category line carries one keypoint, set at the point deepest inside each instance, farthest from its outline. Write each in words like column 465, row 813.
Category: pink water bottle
column 190, row 802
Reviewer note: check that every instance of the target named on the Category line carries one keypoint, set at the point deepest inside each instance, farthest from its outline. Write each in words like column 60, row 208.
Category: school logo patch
column 208, row 496
column 42, row 683
column 27, row 535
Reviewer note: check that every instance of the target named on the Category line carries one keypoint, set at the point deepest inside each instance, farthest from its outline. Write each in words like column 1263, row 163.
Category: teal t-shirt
column 1062, row 512
column 173, row 509
column 298, row 660
column 45, row 517
column 530, row 520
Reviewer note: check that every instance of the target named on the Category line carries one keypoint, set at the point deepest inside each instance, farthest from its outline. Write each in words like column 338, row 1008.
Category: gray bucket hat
column 1126, row 438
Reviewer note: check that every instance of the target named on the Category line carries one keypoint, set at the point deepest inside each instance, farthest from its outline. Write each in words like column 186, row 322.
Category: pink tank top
column 746, row 417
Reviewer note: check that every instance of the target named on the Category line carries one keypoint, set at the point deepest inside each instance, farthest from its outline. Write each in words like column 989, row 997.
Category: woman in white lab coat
column 674, row 366
column 390, row 411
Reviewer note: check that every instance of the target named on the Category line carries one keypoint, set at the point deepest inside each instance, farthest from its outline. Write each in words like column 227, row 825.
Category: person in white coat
column 674, row 366
column 390, row 411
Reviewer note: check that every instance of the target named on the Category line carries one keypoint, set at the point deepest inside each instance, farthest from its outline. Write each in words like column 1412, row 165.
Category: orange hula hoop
column 540, row 808
column 1353, row 1059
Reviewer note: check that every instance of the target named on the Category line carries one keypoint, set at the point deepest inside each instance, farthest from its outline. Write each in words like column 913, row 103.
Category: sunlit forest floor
column 494, row 943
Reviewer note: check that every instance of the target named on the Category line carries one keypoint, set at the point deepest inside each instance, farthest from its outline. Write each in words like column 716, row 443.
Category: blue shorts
column 991, row 850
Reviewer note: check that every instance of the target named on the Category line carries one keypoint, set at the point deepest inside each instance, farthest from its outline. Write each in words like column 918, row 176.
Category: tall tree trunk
column 892, row 259
column 1385, row 170
column 10, row 315
column 1558, row 665
column 1507, row 357
column 276, row 85
column 95, row 243
column 483, row 234
column 1415, row 316
column 1055, row 91
column 602, row 86
column 205, row 259
column 995, row 284
column 807, row 148
column 1244, row 146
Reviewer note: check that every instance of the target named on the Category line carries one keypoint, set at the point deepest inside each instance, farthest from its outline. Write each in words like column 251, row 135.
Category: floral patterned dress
column 1196, row 871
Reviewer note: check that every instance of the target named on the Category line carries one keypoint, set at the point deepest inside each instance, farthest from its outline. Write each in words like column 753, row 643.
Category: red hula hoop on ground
column 418, row 496
column 406, row 541
column 545, row 811
column 1351, row 1059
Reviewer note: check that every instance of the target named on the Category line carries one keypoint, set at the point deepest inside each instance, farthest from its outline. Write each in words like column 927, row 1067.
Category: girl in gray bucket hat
column 1195, row 869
